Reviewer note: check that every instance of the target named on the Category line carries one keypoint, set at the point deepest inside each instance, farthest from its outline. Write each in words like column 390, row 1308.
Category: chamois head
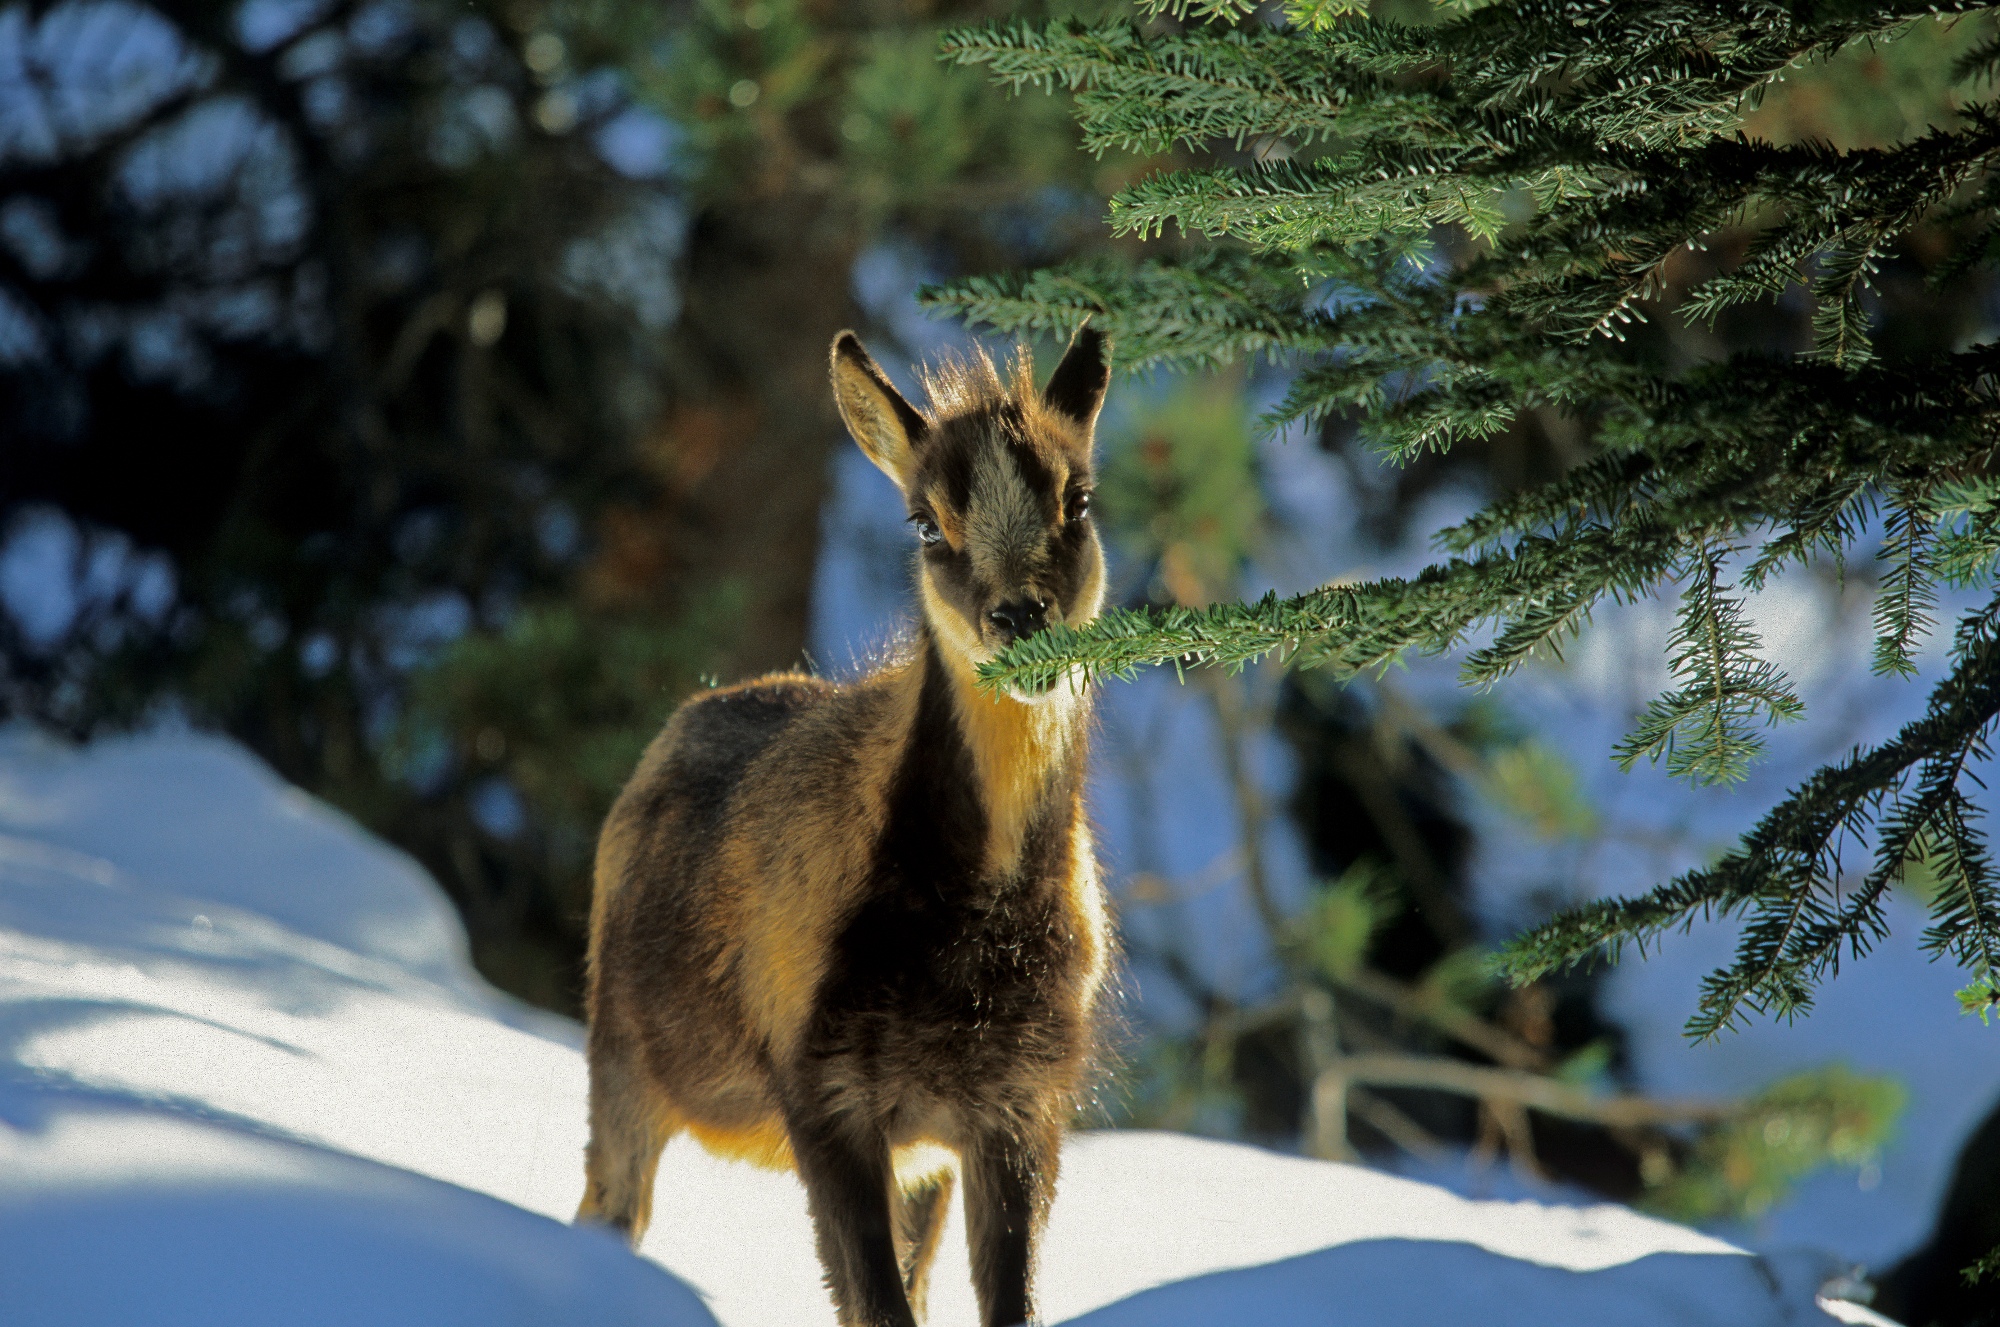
column 998, row 481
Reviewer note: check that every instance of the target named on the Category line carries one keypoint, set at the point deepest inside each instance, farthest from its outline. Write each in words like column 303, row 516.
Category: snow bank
column 247, row 1076
column 194, row 816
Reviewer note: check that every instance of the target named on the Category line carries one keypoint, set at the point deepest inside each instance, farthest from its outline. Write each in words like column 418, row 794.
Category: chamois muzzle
column 1019, row 620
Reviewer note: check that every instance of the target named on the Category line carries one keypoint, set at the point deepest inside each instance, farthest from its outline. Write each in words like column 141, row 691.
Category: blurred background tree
column 318, row 358
column 429, row 393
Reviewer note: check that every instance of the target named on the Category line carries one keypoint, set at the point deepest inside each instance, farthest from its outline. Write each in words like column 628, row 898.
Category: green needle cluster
column 1440, row 224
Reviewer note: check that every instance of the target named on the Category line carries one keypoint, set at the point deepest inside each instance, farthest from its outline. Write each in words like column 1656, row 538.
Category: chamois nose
column 1020, row 619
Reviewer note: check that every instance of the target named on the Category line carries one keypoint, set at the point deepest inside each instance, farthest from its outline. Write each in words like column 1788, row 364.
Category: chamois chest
column 952, row 971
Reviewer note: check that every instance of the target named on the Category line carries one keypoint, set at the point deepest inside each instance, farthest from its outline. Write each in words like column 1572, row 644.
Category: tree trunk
column 745, row 451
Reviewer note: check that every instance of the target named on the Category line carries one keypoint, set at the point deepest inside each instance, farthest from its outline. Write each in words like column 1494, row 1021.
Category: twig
column 1225, row 691
column 1512, row 1118
column 1535, row 1091
column 1393, row 1124
column 1459, row 1024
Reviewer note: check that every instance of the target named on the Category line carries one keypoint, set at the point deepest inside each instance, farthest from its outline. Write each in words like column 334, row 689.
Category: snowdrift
column 248, row 1076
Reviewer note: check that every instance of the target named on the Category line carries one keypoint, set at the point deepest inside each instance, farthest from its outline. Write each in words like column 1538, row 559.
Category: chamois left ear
column 887, row 428
column 1077, row 388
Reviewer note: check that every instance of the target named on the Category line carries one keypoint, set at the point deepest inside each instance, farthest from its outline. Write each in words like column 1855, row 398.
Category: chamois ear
column 886, row 427
column 1077, row 387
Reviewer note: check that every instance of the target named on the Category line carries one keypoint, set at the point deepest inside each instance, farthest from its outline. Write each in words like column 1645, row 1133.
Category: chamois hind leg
column 1010, row 1177
column 848, row 1181
column 630, row 1123
column 921, row 1208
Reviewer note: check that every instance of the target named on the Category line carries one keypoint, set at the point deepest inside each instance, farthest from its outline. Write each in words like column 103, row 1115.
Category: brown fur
column 856, row 929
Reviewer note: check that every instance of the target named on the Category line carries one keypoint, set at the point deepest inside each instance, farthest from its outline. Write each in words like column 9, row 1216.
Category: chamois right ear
column 887, row 427
column 1077, row 387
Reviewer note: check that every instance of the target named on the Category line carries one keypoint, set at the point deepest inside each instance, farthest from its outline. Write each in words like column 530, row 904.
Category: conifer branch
column 1788, row 869
column 1903, row 610
column 1149, row 94
column 1703, row 730
column 1587, row 149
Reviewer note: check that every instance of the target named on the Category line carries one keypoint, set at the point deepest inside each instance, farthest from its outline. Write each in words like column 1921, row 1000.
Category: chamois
column 856, row 928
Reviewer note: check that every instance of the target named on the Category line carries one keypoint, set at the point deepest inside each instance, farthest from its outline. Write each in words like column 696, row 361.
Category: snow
column 164, row 808
column 248, row 1076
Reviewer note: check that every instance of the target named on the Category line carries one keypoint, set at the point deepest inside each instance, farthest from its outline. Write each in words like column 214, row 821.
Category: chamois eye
column 1079, row 505
column 927, row 529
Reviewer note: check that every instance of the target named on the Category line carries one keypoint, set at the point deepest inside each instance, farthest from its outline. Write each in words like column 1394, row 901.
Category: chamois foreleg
column 846, row 1170
column 630, row 1123
column 1010, row 1177
column 921, row 1210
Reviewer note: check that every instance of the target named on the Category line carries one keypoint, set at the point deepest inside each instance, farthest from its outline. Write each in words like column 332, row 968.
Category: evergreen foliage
column 1448, row 220
column 1381, row 973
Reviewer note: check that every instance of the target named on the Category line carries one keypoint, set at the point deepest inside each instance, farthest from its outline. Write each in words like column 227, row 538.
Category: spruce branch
column 1149, row 93
column 1788, row 870
column 1904, row 608
column 1704, row 730
column 1211, row 308
column 1581, row 154
column 1967, row 543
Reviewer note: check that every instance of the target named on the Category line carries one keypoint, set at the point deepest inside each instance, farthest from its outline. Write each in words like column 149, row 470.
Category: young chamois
column 856, row 928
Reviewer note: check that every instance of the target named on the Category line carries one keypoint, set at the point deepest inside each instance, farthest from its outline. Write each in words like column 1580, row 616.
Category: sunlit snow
column 250, row 1077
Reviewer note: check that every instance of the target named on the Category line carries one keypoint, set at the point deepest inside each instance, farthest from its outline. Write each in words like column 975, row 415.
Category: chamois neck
column 1022, row 754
